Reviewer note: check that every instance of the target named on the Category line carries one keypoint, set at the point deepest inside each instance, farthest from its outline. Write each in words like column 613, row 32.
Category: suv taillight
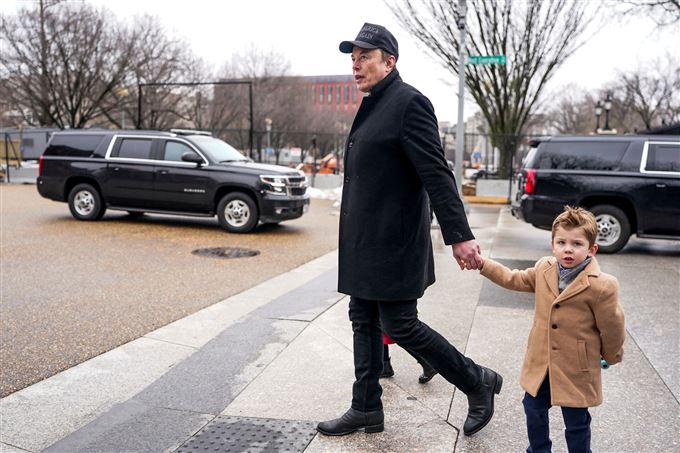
column 530, row 181
column 40, row 164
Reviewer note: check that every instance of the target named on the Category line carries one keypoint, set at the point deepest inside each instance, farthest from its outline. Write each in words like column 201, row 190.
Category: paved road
column 72, row 290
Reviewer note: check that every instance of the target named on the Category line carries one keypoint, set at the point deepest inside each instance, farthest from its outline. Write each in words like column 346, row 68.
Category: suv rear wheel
column 613, row 228
column 85, row 203
column 237, row 213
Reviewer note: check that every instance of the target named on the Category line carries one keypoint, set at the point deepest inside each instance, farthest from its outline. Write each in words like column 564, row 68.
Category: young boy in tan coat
column 577, row 320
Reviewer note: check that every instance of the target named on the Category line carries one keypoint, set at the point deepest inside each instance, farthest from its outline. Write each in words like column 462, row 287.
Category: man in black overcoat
column 393, row 161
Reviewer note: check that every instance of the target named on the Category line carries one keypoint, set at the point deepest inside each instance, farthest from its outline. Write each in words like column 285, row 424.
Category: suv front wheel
column 237, row 213
column 613, row 228
column 85, row 203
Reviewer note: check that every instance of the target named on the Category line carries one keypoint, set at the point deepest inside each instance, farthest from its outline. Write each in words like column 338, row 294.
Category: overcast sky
column 307, row 33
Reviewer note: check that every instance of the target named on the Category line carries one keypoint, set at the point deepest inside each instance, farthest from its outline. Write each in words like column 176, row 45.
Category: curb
column 486, row 199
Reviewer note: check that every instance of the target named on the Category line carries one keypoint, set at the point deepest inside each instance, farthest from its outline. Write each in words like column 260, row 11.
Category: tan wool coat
column 570, row 331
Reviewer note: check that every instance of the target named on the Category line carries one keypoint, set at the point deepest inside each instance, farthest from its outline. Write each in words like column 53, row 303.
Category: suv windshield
column 219, row 150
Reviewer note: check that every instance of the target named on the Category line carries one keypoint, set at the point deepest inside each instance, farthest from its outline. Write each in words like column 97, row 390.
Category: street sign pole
column 460, row 131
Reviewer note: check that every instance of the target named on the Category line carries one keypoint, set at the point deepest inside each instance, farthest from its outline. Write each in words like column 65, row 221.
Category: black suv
column 177, row 172
column 630, row 182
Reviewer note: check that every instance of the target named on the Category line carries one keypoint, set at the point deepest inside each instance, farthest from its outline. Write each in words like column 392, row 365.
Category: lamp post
column 460, row 132
column 123, row 93
column 607, row 108
column 598, row 112
column 313, row 160
column 268, row 127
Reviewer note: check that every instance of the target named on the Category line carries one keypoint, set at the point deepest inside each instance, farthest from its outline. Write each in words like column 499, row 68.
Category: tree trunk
column 507, row 146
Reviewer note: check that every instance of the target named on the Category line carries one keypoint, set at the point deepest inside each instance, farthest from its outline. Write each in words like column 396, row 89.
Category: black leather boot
column 428, row 373
column 387, row 371
column 480, row 401
column 352, row 421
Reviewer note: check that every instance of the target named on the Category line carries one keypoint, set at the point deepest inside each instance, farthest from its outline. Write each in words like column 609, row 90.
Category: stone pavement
column 255, row 372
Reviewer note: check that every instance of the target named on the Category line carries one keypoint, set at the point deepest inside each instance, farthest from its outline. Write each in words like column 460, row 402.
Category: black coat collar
column 381, row 86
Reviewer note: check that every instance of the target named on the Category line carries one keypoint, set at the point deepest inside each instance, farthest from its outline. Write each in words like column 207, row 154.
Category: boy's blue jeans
column 576, row 421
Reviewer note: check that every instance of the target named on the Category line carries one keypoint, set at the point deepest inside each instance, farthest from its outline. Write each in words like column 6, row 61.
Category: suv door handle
column 163, row 172
column 661, row 186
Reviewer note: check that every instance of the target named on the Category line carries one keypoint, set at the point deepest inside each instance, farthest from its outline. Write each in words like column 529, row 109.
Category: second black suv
column 631, row 183
column 177, row 172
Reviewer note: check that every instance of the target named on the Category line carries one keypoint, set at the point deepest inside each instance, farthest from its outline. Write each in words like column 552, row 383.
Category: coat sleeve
column 421, row 142
column 610, row 322
column 517, row 280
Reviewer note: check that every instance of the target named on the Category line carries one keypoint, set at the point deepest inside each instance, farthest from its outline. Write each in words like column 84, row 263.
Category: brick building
column 332, row 92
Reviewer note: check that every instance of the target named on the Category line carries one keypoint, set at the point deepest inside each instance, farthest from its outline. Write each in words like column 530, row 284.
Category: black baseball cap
column 372, row 36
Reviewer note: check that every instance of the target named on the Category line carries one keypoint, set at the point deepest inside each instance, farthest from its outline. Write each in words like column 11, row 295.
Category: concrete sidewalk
column 257, row 371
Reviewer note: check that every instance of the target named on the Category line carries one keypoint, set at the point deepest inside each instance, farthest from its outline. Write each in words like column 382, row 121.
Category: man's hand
column 468, row 254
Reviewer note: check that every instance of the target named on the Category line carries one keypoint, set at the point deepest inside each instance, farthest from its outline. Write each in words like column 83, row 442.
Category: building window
column 346, row 90
column 322, row 93
column 330, row 94
column 338, row 94
column 354, row 94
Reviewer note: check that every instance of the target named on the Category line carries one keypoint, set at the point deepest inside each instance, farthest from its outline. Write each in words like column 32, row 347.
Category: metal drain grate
column 225, row 252
column 245, row 434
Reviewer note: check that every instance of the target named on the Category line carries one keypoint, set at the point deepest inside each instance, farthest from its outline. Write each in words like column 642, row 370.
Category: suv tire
column 85, row 203
column 237, row 213
column 613, row 228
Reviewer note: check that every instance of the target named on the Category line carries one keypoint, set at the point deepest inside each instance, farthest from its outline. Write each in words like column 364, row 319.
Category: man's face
column 571, row 247
column 369, row 68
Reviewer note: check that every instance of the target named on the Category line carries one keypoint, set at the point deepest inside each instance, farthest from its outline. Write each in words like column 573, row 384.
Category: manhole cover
column 246, row 434
column 226, row 252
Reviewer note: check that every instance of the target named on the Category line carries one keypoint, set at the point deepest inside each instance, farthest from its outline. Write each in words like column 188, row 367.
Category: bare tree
column 282, row 99
column 574, row 111
column 653, row 92
column 662, row 12
column 156, row 57
column 537, row 36
column 61, row 61
column 266, row 71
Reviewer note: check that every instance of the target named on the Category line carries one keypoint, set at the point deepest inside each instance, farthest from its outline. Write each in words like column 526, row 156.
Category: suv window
column 134, row 148
column 664, row 157
column 73, row 145
column 217, row 149
column 173, row 151
column 581, row 155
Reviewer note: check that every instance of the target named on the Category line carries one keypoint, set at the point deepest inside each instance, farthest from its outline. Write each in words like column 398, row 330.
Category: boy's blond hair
column 575, row 217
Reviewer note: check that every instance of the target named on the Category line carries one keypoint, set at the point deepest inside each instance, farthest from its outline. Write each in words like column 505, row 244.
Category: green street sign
column 487, row 59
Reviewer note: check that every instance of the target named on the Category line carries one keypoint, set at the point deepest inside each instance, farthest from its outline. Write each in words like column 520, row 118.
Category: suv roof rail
column 190, row 132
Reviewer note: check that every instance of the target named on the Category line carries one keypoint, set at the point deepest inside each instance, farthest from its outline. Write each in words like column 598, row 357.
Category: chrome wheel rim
column 84, row 202
column 237, row 213
column 608, row 229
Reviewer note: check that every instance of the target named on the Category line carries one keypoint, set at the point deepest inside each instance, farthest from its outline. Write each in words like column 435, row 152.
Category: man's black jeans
column 399, row 320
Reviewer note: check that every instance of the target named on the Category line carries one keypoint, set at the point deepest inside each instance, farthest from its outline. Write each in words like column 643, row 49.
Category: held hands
column 468, row 255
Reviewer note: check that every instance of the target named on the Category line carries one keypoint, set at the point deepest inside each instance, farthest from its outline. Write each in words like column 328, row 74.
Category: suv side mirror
column 192, row 157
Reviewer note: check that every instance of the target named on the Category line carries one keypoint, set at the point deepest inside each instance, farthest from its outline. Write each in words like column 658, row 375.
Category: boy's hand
column 467, row 254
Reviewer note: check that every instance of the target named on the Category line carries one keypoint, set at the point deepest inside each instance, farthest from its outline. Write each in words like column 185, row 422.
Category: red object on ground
column 387, row 340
